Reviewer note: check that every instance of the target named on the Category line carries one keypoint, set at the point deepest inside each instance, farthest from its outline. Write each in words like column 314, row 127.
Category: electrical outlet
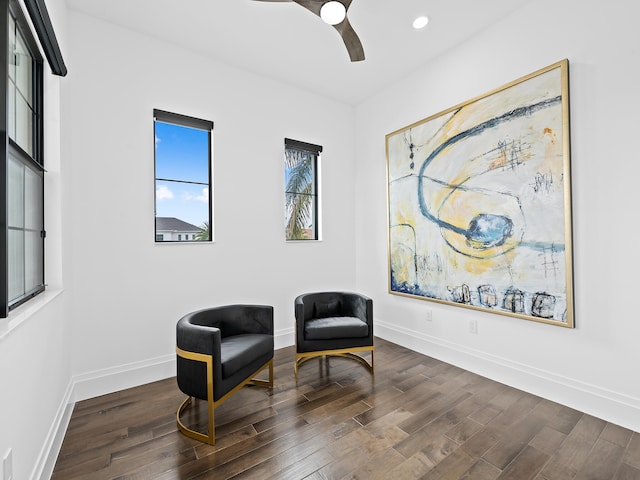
column 7, row 466
column 428, row 315
column 473, row 326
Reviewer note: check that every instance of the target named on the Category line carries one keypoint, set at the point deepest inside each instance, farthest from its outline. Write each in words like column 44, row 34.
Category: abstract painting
column 479, row 202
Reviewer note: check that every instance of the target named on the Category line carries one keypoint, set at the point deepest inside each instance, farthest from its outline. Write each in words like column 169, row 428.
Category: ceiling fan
column 326, row 9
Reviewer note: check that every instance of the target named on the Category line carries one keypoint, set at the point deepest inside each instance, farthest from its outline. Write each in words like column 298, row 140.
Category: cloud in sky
column 163, row 192
column 203, row 197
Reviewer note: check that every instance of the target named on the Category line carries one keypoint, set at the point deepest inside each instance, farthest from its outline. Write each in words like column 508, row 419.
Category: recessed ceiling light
column 420, row 22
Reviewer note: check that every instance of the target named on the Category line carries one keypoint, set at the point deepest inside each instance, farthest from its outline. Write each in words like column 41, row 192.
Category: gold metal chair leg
column 210, row 438
column 211, row 404
column 347, row 352
column 264, row 383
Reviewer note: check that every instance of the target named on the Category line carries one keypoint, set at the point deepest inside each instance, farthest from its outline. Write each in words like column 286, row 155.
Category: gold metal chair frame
column 343, row 352
column 212, row 404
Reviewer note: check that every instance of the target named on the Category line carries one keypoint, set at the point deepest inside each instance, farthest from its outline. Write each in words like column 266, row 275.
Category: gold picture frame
column 479, row 202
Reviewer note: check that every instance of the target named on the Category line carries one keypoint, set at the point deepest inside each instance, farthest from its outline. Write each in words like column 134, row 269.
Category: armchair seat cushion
column 328, row 328
column 238, row 351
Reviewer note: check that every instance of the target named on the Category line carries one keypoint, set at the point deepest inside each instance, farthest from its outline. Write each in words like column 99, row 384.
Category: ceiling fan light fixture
column 420, row 22
column 333, row 12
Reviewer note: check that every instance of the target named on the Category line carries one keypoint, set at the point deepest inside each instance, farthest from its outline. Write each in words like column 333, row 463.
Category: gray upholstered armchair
column 333, row 323
column 219, row 350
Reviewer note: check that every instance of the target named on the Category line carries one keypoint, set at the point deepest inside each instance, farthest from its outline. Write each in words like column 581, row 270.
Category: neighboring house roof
column 175, row 225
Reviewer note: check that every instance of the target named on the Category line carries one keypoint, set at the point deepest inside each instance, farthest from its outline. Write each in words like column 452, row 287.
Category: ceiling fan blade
column 346, row 3
column 311, row 5
column 351, row 40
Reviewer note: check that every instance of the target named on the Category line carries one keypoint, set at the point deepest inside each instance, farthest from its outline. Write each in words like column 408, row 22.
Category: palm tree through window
column 301, row 190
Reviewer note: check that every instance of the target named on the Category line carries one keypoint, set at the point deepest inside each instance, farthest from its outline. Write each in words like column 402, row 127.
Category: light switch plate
column 473, row 326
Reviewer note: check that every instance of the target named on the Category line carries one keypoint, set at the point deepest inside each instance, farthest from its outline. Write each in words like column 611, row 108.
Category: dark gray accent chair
column 333, row 323
column 219, row 350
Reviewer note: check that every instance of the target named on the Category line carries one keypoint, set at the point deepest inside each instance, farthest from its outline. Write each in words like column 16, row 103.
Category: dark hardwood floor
column 416, row 417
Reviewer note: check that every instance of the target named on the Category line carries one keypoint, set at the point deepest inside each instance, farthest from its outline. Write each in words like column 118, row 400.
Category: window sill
column 21, row 314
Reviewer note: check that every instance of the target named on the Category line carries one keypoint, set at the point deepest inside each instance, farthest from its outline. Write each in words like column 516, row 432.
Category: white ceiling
column 286, row 42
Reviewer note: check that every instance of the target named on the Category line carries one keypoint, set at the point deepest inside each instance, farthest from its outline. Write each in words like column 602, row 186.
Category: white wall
column 127, row 293
column 593, row 367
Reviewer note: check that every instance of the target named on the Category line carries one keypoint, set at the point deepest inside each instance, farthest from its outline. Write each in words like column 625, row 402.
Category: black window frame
column 34, row 161
column 189, row 122
column 314, row 151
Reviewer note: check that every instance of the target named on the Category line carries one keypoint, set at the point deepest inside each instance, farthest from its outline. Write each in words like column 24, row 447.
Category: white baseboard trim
column 109, row 380
column 611, row 406
column 46, row 462
column 284, row 338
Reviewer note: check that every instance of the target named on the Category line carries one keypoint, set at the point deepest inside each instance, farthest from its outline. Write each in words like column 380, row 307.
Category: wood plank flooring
column 417, row 417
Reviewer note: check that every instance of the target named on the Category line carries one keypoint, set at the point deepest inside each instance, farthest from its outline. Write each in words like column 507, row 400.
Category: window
column 21, row 165
column 301, row 190
column 182, row 177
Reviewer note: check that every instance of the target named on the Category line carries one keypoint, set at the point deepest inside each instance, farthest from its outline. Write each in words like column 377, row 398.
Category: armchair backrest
column 333, row 304
column 234, row 319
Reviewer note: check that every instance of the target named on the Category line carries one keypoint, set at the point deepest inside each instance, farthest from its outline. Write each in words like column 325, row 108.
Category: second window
column 301, row 190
